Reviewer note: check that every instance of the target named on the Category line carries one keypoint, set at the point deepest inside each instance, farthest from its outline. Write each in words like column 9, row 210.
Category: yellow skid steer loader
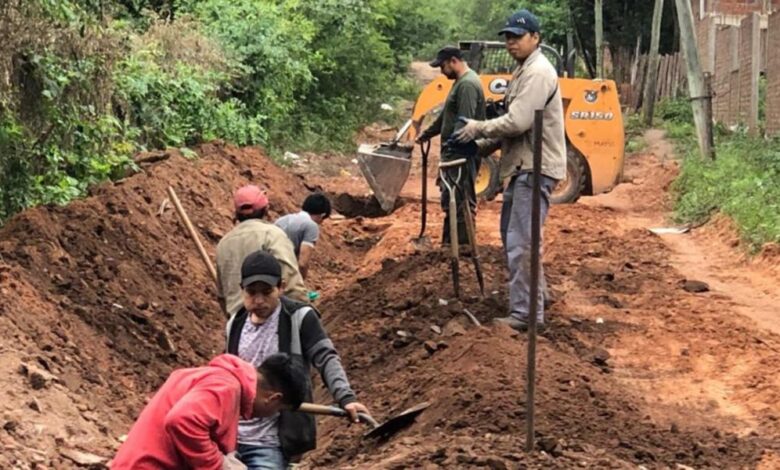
column 593, row 123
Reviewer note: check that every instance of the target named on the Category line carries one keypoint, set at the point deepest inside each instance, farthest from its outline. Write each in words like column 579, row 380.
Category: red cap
column 250, row 199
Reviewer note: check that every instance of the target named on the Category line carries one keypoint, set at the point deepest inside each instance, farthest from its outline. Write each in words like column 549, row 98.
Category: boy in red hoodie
column 192, row 421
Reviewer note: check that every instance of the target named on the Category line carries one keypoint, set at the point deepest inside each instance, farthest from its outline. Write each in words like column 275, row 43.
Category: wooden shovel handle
column 315, row 409
column 193, row 234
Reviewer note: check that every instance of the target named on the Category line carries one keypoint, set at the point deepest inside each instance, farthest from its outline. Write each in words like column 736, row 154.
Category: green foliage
column 180, row 106
column 482, row 19
column 634, row 129
column 676, row 111
column 93, row 81
column 76, row 144
column 270, row 41
column 677, row 119
column 415, row 29
column 740, row 182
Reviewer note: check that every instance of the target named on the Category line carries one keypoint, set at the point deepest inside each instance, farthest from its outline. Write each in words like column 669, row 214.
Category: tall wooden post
column 652, row 71
column 700, row 95
column 533, row 308
column 755, row 73
column 599, row 13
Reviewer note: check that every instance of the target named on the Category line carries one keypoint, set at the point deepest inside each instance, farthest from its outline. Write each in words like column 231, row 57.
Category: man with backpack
column 270, row 323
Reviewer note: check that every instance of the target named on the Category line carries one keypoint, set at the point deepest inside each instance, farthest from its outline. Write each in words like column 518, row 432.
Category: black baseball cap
column 446, row 53
column 260, row 266
column 521, row 23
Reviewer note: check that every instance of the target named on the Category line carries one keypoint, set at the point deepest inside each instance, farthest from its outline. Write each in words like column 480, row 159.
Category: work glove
column 231, row 462
column 469, row 131
column 423, row 137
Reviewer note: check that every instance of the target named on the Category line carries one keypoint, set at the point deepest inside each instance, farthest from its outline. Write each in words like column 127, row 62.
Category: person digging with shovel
column 192, row 421
column 269, row 323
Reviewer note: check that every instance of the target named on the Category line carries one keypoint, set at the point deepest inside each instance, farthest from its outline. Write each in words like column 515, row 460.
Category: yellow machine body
column 593, row 123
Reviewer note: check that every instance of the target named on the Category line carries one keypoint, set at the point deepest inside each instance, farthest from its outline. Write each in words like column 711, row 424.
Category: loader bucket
column 386, row 168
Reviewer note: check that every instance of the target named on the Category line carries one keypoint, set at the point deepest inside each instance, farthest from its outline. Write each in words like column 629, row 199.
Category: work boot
column 517, row 324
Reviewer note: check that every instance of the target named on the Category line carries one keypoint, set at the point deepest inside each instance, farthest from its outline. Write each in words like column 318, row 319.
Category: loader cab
column 593, row 120
column 491, row 58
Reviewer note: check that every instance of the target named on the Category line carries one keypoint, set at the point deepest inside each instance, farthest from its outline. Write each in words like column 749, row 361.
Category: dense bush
column 178, row 100
column 91, row 82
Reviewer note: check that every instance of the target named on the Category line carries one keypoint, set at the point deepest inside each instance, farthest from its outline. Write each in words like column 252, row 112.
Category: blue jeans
column 516, row 236
column 261, row 458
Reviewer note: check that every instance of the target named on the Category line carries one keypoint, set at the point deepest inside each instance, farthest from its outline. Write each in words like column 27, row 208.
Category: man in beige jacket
column 534, row 85
column 253, row 233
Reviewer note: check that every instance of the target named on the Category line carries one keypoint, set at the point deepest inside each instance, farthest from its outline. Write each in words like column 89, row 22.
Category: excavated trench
column 101, row 299
column 351, row 206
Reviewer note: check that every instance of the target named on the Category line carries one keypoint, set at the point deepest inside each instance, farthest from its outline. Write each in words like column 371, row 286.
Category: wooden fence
column 671, row 82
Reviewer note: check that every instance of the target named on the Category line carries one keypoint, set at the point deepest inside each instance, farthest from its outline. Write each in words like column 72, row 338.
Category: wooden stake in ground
column 701, row 98
column 536, row 238
column 599, row 10
column 652, row 72
column 193, row 234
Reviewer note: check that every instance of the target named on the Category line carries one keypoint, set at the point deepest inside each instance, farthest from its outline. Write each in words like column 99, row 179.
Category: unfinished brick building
column 733, row 38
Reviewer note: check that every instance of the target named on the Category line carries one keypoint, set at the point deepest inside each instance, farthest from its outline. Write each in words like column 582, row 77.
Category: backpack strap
column 297, row 311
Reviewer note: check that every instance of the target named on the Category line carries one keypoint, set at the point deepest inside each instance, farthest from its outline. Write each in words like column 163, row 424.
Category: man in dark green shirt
column 465, row 100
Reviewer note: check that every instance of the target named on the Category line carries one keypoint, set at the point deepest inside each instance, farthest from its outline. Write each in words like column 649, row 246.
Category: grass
column 635, row 128
column 742, row 182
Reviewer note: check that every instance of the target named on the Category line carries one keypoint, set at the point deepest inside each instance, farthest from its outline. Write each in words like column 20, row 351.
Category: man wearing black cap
column 465, row 100
column 534, row 85
column 270, row 323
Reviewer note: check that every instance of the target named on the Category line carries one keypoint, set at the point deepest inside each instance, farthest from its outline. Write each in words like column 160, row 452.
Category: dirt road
column 685, row 371
column 102, row 298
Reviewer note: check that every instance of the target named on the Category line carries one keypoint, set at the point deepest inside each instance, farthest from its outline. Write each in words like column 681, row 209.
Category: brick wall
column 773, row 76
column 722, row 75
column 739, row 56
column 735, row 79
column 705, row 29
column 736, row 7
column 748, row 84
column 762, row 65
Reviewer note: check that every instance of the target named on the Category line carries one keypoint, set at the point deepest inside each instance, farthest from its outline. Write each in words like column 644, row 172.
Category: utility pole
column 599, row 13
column 652, row 69
column 701, row 99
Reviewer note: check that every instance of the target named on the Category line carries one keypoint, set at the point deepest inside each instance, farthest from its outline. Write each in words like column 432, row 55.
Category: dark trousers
column 516, row 236
column 464, row 193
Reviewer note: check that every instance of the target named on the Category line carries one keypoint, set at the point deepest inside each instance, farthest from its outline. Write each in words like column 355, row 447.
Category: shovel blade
column 397, row 423
column 386, row 169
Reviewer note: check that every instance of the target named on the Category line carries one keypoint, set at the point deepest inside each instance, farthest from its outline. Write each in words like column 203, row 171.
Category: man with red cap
column 253, row 233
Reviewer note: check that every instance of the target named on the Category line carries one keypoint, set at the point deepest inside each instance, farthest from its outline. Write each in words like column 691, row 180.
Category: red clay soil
column 103, row 297
column 388, row 327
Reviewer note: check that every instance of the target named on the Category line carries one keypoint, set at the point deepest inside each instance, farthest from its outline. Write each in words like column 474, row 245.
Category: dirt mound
column 100, row 299
column 106, row 295
column 405, row 346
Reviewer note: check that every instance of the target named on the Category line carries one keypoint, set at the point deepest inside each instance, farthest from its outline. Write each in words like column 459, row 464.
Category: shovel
column 453, row 217
column 471, row 231
column 422, row 240
column 386, row 168
column 384, row 430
